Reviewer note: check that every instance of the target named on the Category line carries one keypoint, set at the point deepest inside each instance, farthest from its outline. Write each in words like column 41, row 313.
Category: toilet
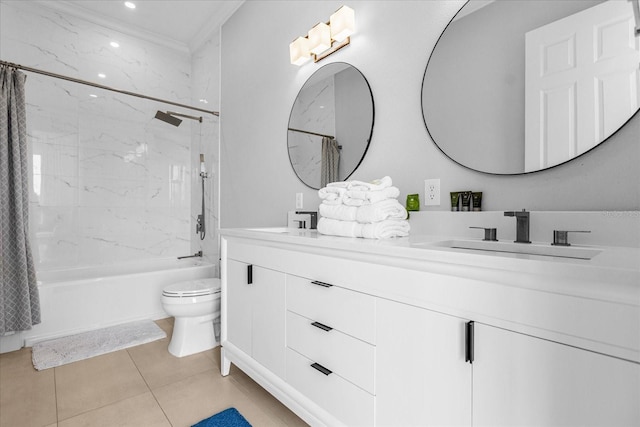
column 195, row 305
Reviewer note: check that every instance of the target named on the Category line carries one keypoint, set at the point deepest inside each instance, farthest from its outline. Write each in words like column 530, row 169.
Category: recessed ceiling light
column 204, row 101
column 102, row 75
column 130, row 5
column 93, row 95
column 114, row 44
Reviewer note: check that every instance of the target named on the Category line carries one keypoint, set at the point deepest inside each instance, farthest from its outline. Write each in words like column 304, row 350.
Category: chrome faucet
column 522, row 225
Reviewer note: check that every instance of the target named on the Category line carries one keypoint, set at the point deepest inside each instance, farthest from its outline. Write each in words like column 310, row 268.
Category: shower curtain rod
column 311, row 133
column 84, row 82
column 314, row 133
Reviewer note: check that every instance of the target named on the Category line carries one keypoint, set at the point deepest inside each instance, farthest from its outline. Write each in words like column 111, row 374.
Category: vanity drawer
column 348, row 311
column 348, row 403
column 351, row 358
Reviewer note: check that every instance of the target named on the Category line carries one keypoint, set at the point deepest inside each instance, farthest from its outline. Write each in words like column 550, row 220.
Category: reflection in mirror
column 520, row 86
column 330, row 125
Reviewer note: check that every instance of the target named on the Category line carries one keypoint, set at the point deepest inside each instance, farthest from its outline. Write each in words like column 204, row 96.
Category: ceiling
column 181, row 23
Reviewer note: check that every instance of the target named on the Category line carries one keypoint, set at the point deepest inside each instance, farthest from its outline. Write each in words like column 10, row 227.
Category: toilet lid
column 193, row 288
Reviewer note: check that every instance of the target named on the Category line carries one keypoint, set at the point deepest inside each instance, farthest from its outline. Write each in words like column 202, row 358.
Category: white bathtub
column 83, row 299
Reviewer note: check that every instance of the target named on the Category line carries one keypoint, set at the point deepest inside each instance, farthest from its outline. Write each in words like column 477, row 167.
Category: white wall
column 391, row 49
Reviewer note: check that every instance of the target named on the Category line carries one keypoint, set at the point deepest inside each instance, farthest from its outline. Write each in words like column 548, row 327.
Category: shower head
column 168, row 118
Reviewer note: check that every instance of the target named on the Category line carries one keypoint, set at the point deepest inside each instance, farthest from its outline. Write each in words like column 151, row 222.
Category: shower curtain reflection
column 19, row 298
column 330, row 161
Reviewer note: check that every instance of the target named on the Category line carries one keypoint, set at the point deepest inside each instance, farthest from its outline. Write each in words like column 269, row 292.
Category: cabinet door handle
column 249, row 274
column 324, row 285
column 321, row 326
column 319, row 367
column 468, row 340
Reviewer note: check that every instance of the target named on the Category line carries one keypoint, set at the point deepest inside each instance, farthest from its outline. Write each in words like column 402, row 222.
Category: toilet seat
column 192, row 288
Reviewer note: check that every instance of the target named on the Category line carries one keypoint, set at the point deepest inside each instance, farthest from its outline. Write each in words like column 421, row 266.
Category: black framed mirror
column 515, row 87
column 330, row 125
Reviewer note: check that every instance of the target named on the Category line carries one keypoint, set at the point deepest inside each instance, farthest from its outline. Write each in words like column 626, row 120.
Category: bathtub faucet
column 199, row 253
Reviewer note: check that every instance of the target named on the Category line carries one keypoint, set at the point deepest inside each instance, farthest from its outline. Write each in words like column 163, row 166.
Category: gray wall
column 391, row 48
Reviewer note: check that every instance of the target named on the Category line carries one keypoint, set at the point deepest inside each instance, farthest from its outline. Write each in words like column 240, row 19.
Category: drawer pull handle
column 320, row 368
column 321, row 326
column 249, row 274
column 469, row 342
column 324, row 285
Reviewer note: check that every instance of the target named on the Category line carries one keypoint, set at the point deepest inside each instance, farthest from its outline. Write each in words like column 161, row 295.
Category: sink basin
column 516, row 248
column 271, row 229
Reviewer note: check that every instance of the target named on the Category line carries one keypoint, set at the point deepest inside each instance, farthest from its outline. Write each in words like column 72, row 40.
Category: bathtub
column 83, row 299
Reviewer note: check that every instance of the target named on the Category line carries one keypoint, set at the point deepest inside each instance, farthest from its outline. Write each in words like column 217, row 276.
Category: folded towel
column 379, row 211
column 376, row 184
column 377, row 230
column 339, row 184
column 361, row 198
column 335, row 227
column 332, row 195
column 341, row 212
column 385, row 229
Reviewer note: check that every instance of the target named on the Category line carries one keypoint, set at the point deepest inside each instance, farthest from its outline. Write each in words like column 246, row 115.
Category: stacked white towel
column 362, row 209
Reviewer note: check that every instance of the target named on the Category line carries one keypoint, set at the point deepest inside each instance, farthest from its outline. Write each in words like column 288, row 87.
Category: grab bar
column 199, row 253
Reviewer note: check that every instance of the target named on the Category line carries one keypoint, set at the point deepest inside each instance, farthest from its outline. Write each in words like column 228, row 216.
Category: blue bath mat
column 227, row 418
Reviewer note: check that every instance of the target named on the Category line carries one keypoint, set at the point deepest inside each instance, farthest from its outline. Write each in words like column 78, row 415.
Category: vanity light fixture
column 324, row 38
column 299, row 51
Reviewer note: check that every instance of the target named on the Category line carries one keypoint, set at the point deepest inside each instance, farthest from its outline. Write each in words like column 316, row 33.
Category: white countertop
column 592, row 304
column 613, row 274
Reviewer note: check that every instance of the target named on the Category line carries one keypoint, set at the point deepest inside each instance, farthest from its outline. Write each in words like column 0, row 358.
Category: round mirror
column 514, row 87
column 330, row 125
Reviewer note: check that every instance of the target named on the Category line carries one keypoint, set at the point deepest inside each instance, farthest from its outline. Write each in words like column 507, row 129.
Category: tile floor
column 141, row 386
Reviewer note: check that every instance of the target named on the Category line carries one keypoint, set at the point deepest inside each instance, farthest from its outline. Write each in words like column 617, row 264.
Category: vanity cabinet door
column 256, row 313
column 523, row 380
column 239, row 310
column 422, row 378
column 269, row 314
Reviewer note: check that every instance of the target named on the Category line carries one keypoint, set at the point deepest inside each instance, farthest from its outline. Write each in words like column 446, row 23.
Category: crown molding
column 215, row 22
column 82, row 13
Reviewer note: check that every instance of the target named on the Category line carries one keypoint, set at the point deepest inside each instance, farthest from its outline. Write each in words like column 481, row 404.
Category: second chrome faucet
column 522, row 225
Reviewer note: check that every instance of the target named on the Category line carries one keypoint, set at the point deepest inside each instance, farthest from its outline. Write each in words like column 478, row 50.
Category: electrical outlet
column 299, row 203
column 432, row 192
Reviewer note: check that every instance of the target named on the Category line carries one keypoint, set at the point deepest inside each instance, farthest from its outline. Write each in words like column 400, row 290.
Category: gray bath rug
column 60, row 351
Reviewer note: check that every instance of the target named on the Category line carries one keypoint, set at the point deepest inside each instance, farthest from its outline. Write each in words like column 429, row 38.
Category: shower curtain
column 329, row 162
column 19, row 299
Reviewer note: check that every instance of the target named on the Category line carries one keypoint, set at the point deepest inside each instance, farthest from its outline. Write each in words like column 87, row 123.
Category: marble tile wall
column 110, row 183
column 313, row 110
column 205, row 94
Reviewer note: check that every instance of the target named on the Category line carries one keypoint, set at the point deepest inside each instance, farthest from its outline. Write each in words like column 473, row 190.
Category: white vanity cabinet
column 350, row 332
column 510, row 378
column 255, row 300
column 523, row 380
column 422, row 378
column 331, row 352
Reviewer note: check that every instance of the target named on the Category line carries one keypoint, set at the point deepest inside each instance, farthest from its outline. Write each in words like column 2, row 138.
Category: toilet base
column 192, row 335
